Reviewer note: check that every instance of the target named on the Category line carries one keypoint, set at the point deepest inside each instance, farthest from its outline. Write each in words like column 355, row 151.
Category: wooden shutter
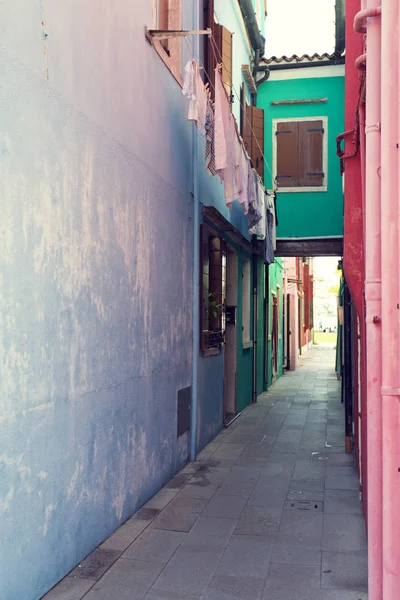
column 287, row 164
column 223, row 40
column 254, row 137
column 209, row 58
column 204, row 284
column 311, row 136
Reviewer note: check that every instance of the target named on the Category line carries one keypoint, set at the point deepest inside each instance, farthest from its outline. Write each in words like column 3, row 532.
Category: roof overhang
column 223, row 226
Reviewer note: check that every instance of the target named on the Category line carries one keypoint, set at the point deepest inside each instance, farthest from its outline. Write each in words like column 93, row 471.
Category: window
column 252, row 131
column 212, row 290
column 246, row 302
column 300, row 154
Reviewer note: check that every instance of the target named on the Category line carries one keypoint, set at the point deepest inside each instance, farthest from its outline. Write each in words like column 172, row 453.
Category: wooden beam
column 314, row 247
column 304, row 101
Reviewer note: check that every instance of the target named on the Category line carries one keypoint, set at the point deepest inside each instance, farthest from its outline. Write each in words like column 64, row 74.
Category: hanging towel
column 231, row 169
column 271, row 209
column 259, row 229
column 254, row 215
column 210, row 147
column 243, row 180
column 269, row 246
column 221, row 102
column 193, row 89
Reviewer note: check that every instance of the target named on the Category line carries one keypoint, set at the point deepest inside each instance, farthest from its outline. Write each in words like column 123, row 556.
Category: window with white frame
column 300, row 154
column 246, row 302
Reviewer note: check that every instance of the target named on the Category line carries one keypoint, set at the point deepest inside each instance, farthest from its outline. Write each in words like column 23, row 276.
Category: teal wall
column 307, row 214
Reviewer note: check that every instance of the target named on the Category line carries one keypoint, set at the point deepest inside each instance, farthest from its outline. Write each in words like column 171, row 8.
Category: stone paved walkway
column 270, row 511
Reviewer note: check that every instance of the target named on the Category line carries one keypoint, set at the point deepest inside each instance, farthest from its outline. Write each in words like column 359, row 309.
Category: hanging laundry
column 231, row 169
column 271, row 209
column 269, row 246
column 243, row 180
column 254, row 215
column 270, row 241
column 193, row 89
column 260, row 228
column 221, row 156
column 188, row 88
column 276, row 209
column 210, row 147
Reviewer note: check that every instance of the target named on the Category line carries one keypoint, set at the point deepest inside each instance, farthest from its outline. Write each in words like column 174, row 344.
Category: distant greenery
column 320, row 337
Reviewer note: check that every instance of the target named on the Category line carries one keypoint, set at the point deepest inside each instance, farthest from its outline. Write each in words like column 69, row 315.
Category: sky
column 300, row 27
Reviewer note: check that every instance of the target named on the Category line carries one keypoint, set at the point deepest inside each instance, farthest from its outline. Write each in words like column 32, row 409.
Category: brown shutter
column 204, row 284
column 209, row 58
column 254, row 137
column 287, row 169
column 223, row 40
column 311, row 135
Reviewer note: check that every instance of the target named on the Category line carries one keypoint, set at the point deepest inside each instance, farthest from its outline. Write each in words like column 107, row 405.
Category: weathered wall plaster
column 95, row 280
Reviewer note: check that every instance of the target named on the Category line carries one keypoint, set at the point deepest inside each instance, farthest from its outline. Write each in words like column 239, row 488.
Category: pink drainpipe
column 373, row 292
column 390, row 300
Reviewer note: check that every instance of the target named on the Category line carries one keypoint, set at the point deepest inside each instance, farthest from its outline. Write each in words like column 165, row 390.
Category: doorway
column 230, row 355
column 275, row 334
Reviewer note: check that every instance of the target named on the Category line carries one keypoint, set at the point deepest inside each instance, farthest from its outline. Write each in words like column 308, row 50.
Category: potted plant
column 215, row 332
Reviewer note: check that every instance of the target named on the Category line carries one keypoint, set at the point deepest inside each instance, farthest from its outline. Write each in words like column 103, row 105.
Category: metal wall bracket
column 163, row 34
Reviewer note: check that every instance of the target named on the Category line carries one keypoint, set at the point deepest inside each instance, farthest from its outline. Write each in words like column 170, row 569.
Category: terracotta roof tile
column 304, row 58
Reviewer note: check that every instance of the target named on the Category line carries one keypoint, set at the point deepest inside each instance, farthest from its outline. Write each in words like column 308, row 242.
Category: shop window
column 300, row 154
column 212, row 290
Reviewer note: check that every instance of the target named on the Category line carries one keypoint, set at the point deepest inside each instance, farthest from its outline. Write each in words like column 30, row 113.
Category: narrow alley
column 269, row 511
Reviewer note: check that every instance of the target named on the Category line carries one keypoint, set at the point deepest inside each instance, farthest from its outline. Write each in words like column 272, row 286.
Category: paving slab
column 126, row 580
column 226, row 587
column 344, row 533
column 225, row 506
column 180, row 514
column 344, row 571
column 155, row 545
column 255, row 555
column 70, row 588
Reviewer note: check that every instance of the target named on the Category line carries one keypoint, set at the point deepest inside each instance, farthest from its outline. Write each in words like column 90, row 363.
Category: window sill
column 247, row 345
column 211, row 352
column 288, row 190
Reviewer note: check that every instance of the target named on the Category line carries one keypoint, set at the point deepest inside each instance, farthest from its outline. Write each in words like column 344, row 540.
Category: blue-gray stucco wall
column 95, row 328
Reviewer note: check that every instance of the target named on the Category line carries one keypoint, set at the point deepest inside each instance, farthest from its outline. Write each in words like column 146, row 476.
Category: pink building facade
column 371, row 269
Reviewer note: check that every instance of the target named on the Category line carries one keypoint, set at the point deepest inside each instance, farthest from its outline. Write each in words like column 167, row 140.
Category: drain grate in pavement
column 304, row 505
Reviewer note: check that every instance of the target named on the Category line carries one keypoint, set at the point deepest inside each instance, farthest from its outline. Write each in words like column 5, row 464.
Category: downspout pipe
column 390, row 300
column 196, row 263
column 250, row 19
column 340, row 29
column 360, row 18
column 373, row 292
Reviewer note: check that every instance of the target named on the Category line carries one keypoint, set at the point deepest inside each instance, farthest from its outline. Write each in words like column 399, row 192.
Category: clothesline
column 227, row 157
column 219, row 60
